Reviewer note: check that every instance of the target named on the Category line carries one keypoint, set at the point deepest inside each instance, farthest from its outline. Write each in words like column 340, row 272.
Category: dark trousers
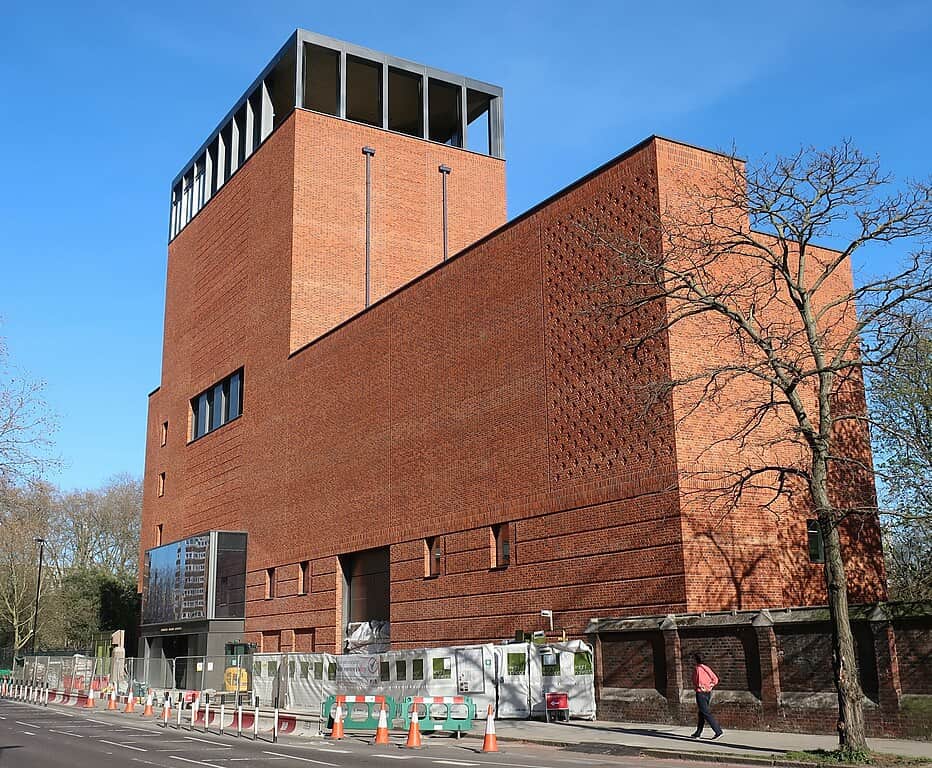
column 705, row 714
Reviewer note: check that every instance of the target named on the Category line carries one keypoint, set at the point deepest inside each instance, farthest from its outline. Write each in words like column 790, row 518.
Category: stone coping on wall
column 774, row 616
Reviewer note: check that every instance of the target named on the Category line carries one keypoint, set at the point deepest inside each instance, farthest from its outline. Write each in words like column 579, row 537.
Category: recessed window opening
column 321, row 79
column 229, row 155
column 443, row 101
column 216, row 406
column 211, row 169
column 405, row 102
column 303, row 582
column 478, row 107
column 433, row 556
column 363, row 91
column 269, row 583
column 255, row 107
column 239, row 120
column 815, row 542
column 501, row 545
column 176, row 209
column 164, row 438
column 158, row 535
column 161, row 484
column 280, row 85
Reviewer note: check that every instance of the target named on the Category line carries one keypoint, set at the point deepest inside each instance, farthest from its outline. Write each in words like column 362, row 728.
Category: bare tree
column 783, row 332
column 23, row 518
column 98, row 528
column 25, row 424
column 901, row 398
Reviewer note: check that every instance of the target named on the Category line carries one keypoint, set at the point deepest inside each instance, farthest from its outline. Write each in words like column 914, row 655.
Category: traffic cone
column 490, row 742
column 111, row 704
column 147, row 712
column 414, row 731
column 89, row 702
column 130, row 703
column 337, row 731
column 381, row 733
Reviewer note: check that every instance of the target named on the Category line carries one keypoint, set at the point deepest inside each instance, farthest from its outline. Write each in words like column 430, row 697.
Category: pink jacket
column 704, row 679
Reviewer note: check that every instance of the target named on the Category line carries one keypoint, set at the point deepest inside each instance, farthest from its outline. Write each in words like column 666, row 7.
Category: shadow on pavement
column 660, row 734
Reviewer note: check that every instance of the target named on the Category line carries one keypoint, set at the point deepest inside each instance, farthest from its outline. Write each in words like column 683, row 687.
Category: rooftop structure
column 328, row 76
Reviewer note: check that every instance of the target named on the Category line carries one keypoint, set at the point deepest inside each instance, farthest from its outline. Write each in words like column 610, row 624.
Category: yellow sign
column 235, row 680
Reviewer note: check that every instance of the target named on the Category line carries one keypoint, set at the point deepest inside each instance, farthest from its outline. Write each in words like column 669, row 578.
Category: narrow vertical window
column 164, row 437
column 433, row 554
column 269, row 583
column 815, row 542
column 236, row 394
column 161, row 483
column 158, row 535
column 303, row 583
column 501, row 545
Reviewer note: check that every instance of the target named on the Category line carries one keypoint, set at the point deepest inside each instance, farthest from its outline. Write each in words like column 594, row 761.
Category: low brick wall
column 775, row 668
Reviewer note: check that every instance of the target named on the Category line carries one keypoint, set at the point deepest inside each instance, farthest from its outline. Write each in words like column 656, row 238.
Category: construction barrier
column 360, row 713
column 440, row 713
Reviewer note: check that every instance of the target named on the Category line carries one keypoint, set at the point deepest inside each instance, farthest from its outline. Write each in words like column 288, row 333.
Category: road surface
column 63, row 737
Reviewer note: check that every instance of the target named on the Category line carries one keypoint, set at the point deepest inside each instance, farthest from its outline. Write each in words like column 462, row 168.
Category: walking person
column 704, row 680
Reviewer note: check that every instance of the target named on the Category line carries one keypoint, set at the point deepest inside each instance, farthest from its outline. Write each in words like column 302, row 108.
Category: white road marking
column 208, row 741
column 394, row 757
column 29, row 733
column 125, row 746
column 28, row 725
column 194, row 762
column 452, row 762
column 302, row 759
column 65, row 733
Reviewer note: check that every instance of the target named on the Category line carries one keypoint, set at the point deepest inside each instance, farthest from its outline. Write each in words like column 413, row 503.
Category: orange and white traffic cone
column 337, row 731
column 381, row 732
column 112, row 704
column 130, row 703
column 89, row 702
column 490, row 742
column 147, row 712
column 414, row 731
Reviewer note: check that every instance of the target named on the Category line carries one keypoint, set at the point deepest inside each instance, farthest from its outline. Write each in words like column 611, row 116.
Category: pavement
column 676, row 739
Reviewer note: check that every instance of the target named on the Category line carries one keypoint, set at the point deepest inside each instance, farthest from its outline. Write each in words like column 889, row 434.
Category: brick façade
column 472, row 393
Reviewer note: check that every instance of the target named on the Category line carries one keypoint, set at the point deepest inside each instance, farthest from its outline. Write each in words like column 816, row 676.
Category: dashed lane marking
column 452, row 762
column 65, row 733
column 208, row 741
column 125, row 746
column 302, row 759
column 194, row 762
column 28, row 725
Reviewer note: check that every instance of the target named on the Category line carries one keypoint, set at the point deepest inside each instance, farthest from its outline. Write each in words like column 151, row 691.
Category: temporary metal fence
column 513, row 678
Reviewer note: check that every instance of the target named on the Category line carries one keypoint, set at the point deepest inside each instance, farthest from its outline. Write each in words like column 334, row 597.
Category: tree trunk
column 851, row 731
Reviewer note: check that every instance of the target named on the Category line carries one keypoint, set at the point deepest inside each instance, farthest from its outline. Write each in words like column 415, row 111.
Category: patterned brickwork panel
column 601, row 420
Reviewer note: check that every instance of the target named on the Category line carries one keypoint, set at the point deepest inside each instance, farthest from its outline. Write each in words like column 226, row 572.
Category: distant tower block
column 362, row 223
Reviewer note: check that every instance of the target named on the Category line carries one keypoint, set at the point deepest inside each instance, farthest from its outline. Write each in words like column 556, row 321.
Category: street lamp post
column 35, row 613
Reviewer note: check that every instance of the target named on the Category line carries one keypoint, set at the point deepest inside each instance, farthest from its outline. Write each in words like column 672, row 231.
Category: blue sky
column 104, row 102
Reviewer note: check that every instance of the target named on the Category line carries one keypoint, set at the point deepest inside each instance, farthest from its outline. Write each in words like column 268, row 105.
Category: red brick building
column 459, row 452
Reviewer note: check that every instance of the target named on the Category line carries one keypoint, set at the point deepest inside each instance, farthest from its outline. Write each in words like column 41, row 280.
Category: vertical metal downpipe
column 368, row 152
column 444, row 172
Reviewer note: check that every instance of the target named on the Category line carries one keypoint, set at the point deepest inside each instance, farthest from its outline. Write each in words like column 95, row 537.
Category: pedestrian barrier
column 360, row 713
column 440, row 713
